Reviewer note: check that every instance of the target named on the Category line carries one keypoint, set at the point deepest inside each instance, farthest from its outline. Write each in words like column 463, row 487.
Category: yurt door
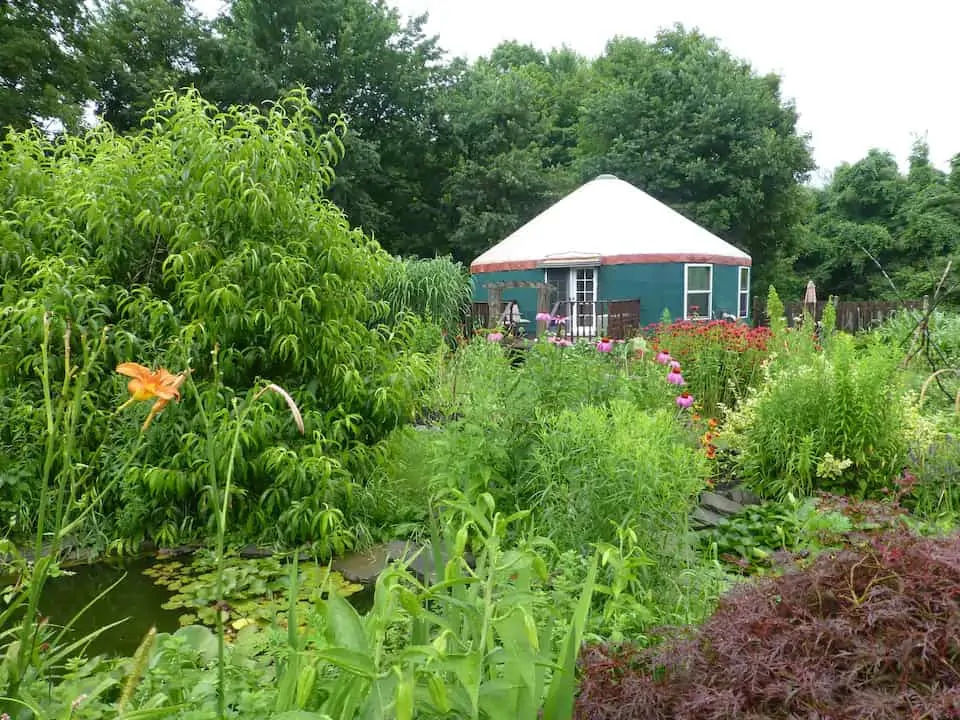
column 584, row 283
column 577, row 298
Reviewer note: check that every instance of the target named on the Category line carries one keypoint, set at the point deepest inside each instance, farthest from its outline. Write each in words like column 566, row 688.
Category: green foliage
column 483, row 643
column 872, row 213
column 589, row 444
column 598, row 466
column 140, row 49
column 839, row 404
column 207, row 229
column 776, row 313
column 749, row 539
column 439, row 290
column 42, row 69
column 932, row 479
column 513, row 116
column 361, row 60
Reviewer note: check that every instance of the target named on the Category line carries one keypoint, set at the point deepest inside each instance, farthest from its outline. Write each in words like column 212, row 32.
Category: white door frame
column 574, row 328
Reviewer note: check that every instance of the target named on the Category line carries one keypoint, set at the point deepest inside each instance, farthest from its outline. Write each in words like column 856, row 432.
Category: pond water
column 137, row 600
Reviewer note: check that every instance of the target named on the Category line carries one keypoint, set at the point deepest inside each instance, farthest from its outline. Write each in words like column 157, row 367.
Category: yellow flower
column 147, row 384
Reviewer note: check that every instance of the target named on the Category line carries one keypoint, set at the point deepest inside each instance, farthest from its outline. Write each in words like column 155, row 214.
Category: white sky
column 863, row 74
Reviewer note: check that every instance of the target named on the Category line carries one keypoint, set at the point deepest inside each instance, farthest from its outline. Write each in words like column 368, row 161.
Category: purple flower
column 605, row 345
column 674, row 364
column 495, row 337
column 544, row 317
column 663, row 357
column 674, row 377
column 684, row 400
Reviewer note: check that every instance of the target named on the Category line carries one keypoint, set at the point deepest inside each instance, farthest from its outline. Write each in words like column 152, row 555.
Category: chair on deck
column 511, row 319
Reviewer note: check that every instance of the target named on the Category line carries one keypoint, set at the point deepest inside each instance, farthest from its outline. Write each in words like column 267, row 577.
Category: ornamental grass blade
column 291, row 403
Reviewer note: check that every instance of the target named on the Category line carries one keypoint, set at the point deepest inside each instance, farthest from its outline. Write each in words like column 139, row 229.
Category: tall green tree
column 42, row 69
column 359, row 59
column 873, row 222
column 138, row 50
column 700, row 130
column 513, row 117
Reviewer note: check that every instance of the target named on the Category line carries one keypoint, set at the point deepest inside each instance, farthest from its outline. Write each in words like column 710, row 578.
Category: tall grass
column 438, row 290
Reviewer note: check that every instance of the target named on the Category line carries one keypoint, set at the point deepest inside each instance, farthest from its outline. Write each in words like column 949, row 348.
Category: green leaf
column 354, row 662
column 344, row 628
column 563, row 684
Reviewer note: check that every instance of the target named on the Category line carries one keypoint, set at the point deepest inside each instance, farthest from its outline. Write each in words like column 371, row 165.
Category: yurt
column 610, row 245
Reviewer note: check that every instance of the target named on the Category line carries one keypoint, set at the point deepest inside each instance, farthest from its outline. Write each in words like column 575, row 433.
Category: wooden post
column 495, row 304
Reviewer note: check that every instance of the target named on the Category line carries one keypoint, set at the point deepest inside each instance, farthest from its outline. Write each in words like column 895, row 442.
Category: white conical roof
column 610, row 222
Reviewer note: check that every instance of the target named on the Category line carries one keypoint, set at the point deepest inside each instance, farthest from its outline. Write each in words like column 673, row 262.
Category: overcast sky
column 863, row 74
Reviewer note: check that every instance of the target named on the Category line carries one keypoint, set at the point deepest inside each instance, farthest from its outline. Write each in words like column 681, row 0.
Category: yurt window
column 744, row 292
column 698, row 291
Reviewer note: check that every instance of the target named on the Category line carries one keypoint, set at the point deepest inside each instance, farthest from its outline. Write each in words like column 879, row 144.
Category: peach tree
column 204, row 240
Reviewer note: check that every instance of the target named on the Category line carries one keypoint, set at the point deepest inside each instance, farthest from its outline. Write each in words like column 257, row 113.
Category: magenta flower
column 663, row 357
column 494, row 337
column 674, row 377
column 674, row 364
column 605, row 345
column 684, row 400
column 544, row 317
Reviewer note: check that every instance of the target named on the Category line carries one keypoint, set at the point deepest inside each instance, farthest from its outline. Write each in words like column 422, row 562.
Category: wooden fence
column 852, row 315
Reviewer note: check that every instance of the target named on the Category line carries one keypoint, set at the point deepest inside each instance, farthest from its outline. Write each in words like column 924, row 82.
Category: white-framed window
column 697, row 291
column 743, row 310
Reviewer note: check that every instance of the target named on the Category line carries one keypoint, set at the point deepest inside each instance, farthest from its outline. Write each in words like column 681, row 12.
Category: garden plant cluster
column 198, row 348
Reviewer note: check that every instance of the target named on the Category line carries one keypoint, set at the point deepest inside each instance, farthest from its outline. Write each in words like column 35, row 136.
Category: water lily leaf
column 187, row 619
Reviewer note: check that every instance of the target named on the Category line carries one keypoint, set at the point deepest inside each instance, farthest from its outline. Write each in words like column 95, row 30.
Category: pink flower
column 494, row 337
column 674, row 377
column 663, row 357
column 605, row 345
column 684, row 400
column 674, row 364
column 544, row 317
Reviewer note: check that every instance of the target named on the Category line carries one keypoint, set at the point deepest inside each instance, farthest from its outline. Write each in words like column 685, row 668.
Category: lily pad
column 255, row 590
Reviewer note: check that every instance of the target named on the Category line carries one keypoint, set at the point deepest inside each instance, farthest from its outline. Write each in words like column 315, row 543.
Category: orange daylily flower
column 147, row 384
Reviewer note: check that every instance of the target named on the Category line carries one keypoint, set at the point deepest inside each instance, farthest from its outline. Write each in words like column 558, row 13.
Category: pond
column 137, row 599
column 167, row 593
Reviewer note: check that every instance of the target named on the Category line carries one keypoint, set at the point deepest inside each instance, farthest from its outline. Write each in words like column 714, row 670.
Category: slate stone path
column 721, row 503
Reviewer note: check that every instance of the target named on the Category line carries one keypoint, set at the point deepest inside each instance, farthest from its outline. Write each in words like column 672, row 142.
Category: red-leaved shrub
column 871, row 632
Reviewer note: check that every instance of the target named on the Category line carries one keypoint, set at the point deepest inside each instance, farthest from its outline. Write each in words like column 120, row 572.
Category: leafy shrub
column 720, row 359
column 933, row 478
column 833, row 422
column 588, row 446
column 865, row 633
column 597, row 466
column 205, row 230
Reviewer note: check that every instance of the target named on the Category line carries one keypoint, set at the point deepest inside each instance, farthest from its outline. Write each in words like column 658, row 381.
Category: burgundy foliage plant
column 870, row 632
